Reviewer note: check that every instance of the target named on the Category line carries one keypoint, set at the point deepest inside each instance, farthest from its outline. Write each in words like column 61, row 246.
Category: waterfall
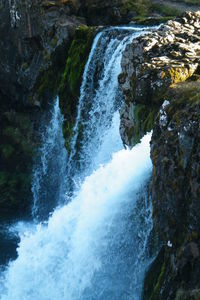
column 94, row 247
column 49, row 172
column 99, row 103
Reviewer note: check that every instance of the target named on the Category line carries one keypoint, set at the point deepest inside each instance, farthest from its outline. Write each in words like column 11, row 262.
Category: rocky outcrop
column 168, row 55
column 35, row 39
column 30, row 33
column 160, row 82
column 176, row 193
column 35, row 36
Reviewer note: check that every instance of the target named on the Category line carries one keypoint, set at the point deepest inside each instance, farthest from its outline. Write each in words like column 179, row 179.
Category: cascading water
column 97, row 120
column 95, row 246
column 49, row 173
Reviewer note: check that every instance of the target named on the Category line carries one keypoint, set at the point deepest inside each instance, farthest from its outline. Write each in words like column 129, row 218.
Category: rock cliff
column 150, row 65
column 43, row 53
column 160, row 82
column 35, row 39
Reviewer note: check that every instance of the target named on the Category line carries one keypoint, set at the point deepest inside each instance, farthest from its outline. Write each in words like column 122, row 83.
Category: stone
column 167, row 55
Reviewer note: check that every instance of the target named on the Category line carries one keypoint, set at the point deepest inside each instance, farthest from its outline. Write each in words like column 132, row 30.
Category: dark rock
column 175, row 190
column 34, row 41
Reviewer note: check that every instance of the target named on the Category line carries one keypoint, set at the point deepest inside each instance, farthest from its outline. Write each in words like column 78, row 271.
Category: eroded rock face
column 175, row 152
column 35, row 38
column 175, row 149
column 33, row 47
column 161, row 86
column 30, row 33
column 151, row 64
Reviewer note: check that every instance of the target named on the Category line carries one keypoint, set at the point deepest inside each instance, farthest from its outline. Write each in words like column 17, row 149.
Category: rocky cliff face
column 150, row 65
column 176, row 192
column 42, row 54
column 160, row 82
column 35, row 36
column 35, row 39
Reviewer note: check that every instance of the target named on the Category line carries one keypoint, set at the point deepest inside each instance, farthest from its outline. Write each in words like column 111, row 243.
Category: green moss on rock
column 69, row 89
column 153, row 277
column 16, row 151
column 140, row 7
column 165, row 10
column 159, row 283
column 77, row 58
column 143, row 120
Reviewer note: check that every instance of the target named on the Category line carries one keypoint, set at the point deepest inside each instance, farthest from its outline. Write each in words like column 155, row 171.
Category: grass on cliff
column 165, row 10
column 141, row 7
column 187, row 92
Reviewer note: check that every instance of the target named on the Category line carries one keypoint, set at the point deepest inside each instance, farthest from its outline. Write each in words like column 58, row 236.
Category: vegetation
column 69, row 88
column 16, row 153
column 185, row 92
column 76, row 59
column 141, row 7
column 165, row 10
column 143, row 121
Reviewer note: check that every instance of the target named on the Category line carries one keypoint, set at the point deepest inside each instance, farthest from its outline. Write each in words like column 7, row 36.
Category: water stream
column 50, row 167
column 94, row 246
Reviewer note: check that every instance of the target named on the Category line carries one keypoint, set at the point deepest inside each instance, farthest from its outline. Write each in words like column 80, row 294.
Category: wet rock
column 175, row 186
column 175, row 191
column 160, row 84
column 153, row 62
column 35, row 36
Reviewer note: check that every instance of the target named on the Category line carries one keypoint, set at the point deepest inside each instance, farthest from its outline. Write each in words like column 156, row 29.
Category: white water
column 89, row 249
column 94, row 247
column 49, row 172
column 100, row 100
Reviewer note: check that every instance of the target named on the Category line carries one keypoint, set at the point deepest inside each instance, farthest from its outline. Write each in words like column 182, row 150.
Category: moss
column 156, row 290
column 17, row 145
column 150, row 21
column 141, row 7
column 18, row 138
column 174, row 75
column 54, row 41
column 69, row 88
column 143, row 120
column 192, row 236
column 68, row 131
column 179, row 74
column 48, row 81
column 48, row 84
column 77, row 58
column 13, row 133
column 7, row 151
column 25, row 66
column 182, row 94
column 165, row 10
column 10, row 184
column 154, row 277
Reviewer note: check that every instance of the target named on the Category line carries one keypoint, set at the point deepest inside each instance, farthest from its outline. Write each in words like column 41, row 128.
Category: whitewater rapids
column 65, row 258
